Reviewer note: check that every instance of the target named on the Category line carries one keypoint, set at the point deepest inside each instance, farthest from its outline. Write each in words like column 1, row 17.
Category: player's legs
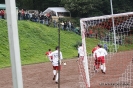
column 54, row 72
column 57, row 74
column 57, row 77
column 103, row 67
column 98, row 62
column 96, row 65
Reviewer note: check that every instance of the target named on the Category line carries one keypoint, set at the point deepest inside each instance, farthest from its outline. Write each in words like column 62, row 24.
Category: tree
column 37, row 4
column 88, row 8
column 2, row 1
column 83, row 8
column 121, row 6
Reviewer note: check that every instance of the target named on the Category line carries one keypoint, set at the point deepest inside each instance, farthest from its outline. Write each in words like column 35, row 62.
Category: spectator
column 19, row 15
column 0, row 14
column 69, row 25
column 105, row 47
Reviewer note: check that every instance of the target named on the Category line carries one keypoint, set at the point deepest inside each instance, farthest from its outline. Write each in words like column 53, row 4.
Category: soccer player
column 100, row 54
column 80, row 51
column 95, row 63
column 55, row 62
column 47, row 53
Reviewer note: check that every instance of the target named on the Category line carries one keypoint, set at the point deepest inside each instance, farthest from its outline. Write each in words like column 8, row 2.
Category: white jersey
column 80, row 51
column 100, row 52
column 55, row 57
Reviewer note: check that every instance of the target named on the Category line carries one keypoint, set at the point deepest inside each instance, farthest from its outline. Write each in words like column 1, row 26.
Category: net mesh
column 110, row 36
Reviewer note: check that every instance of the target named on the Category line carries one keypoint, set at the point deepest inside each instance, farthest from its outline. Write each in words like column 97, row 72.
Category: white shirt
column 81, row 51
column 100, row 52
column 55, row 57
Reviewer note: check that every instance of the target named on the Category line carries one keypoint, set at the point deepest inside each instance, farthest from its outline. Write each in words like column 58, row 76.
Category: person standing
column 80, row 51
column 55, row 62
column 47, row 53
column 105, row 47
column 95, row 57
column 100, row 54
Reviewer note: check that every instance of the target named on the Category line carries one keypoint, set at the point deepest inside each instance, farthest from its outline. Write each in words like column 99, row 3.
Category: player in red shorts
column 95, row 63
column 55, row 63
column 100, row 55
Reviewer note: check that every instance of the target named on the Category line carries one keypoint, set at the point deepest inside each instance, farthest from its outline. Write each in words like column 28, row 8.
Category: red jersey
column 94, row 49
column 49, row 52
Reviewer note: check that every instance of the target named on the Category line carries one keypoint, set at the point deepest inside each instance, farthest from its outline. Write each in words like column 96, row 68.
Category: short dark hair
column 99, row 45
column 80, row 44
column 49, row 49
column 57, row 47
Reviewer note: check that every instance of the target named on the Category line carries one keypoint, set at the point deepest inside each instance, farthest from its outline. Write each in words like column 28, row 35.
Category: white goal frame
column 83, row 27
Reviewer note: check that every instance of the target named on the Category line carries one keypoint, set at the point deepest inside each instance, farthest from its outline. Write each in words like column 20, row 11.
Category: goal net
column 113, row 31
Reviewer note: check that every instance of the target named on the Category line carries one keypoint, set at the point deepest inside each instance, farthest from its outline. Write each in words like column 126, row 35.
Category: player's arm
column 51, row 54
column 105, row 52
column 46, row 53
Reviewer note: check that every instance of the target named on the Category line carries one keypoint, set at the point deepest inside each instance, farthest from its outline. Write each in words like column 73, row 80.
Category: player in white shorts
column 55, row 63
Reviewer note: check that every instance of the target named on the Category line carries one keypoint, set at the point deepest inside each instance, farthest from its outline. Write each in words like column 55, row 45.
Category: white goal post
column 85, row 60
column 123, row 23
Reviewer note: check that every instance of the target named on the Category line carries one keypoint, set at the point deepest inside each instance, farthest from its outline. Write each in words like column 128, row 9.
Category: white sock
column 101, row 67
column 56, row 77
column 104, row 69
column 54, row 72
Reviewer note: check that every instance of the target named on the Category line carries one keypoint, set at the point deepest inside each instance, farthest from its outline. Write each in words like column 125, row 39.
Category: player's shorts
column 101, row 59
column 57, row 67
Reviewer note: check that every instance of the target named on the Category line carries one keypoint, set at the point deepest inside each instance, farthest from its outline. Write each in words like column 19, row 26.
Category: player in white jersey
column 80, row 51
column 100, row 54
column 55, row 63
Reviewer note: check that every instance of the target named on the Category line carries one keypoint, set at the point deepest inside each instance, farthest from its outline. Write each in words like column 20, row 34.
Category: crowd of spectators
column 34, row 16
column 46, row 19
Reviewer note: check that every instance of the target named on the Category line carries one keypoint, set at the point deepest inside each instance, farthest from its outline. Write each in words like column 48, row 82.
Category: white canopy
column 3, row 6
column 56, row 10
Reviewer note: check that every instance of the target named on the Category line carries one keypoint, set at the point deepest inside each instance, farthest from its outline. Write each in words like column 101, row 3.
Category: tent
column 57, row 11
column 3, row 6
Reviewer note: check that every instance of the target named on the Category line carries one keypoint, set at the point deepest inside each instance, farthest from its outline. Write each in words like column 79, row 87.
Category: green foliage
column 90, row 8
column 82, row 7
column 128, row 40
column 78, row 8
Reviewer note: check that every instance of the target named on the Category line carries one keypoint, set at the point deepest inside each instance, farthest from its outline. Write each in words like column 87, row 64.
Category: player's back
column 80, row 51
column 101, row 52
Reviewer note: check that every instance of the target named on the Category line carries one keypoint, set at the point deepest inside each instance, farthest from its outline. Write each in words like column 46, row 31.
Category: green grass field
column 35, row 39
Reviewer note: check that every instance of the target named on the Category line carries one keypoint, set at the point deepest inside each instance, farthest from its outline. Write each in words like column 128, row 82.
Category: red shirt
column 47, row 53
column 94, row 49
